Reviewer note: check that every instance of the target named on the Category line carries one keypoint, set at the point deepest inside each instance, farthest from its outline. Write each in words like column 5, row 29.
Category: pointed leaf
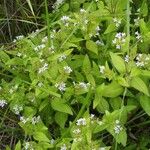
column 140, row 85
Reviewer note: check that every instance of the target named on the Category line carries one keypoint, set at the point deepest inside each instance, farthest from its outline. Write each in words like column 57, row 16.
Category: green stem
column 128, row 25
column 48, row 22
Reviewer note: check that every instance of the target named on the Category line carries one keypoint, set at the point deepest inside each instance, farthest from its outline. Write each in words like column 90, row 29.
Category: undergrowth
column 81, row 82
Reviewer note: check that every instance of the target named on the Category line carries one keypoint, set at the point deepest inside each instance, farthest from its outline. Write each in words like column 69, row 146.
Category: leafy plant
column 82, row 81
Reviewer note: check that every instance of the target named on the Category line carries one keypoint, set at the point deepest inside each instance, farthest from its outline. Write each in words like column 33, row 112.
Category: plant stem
column 48, row 22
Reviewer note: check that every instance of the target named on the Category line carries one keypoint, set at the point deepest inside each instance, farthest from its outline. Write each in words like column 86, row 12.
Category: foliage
column 82, row 81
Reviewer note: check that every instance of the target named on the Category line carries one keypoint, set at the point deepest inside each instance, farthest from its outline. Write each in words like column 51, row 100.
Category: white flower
column 119, row 40
column 98, row 42
column 65, row 19
column 97, row 30
column 82, row 11
column 61, row 86
column 23, row 119
column 20, row 37
column 39, row 47
column 92, row 116
column 3, row 103
column 138, row 36
column 64, row 147
column 40, row 84
column 52, row 141
column 117, row 22
column 77, row 131
column 102, row 69
column 77, row 139
column 127, row 58
column 117, row 128
column 17, row 109
column 67, row 69
column 19, row 54
column 81, row 121
column 42, row 69
column 27, row 145
column 62, row 57
column 136, row 21
column 45, row 39
column 84, row 85
column 35, row 120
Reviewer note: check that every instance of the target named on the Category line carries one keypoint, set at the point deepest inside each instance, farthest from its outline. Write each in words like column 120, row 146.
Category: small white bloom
column 98, row 42
column 17, row 109
column 82, row 11
column 81, row 121
column 27, row 145
column 35, row 120
column 23, row 119
column 136, row 21
column 84, row 85
column 52, row 141
column 40, row 84
column 64, row 147
column 102, row 69
column 42, row 69
column 45, row 39
column 19, row 54
column 77, row 131
column 127, row 58
column 39, row 47
column 65, row 18
column 20, row 37
column 92, row 116
column 62, row 57
column 61, row 86
column 3, row 103
column 117, row 22
column 67, row 69
column 117, row 128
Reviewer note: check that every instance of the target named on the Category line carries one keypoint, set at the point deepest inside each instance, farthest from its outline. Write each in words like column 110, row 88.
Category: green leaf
column 3, row 56
column 145, row 103
column 140, row 85
column 144, row 8
column 111, row 90
column 122, row 137
column 60, row 106
column 91, row 46
column 86, row 65
column 40, row 136
column 18, row 146
column 118, row 62
column 111, row 27
column 61, row 119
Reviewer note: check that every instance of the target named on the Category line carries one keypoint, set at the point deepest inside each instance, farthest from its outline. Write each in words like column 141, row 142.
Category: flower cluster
column 138, row 36
column 117, row 22
column 119, row 40
column 76, row 131
column 102, row 69
column 62, row 57
column 13, row 89
column 118, row 128
column 142, row 60
column 17, row 109
column 84, row 85
column 33, row 120
column 82, row 11
column 81, row 122
column 63, row 147
column 61, row 86
column 39, row 47
column 67, row 69
column 136, row 21
column 3, row 103
column 42, row 69
column 127, row 58
column 65, row 20
column 98, row 42
column 20, row 37
column 97, row 30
